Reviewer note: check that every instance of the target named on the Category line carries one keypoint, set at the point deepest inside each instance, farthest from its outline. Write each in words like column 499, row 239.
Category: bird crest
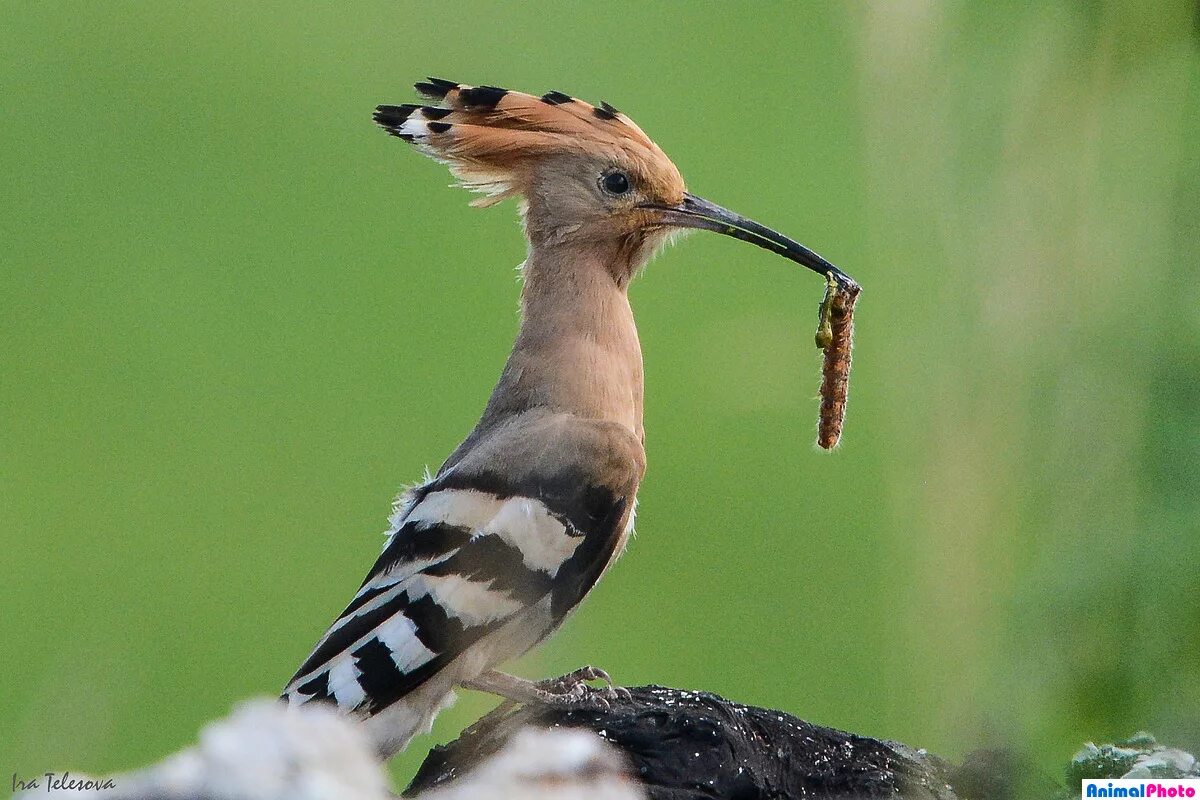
column 492, row 138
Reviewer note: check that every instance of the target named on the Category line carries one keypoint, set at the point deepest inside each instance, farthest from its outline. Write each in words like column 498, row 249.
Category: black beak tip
column 845, row 282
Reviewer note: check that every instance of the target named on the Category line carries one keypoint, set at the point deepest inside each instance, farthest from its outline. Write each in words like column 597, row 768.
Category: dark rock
column 697, row 745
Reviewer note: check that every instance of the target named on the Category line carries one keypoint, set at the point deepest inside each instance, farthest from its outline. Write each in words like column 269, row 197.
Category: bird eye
column 615, row 182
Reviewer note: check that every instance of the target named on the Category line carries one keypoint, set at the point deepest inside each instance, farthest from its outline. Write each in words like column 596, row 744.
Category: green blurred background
column 235, row 318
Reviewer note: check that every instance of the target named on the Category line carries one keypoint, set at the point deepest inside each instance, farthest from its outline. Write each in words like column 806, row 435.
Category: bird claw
column 566, row 683
column 572, row 690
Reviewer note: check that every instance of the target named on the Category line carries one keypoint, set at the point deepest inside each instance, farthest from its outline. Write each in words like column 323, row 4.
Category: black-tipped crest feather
column 436, row 88
column 390, row 118
column 489, row 136
column 482, row 97
column 605, row 111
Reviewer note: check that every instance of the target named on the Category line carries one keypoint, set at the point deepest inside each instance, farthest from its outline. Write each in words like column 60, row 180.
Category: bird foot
column 565, row 691
column 572, row 689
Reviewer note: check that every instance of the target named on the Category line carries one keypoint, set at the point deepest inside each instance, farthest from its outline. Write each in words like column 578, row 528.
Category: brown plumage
column 486, row 558
column 490, row 137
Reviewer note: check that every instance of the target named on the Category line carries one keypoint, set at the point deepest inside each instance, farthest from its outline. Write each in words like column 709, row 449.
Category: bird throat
column 577, row 351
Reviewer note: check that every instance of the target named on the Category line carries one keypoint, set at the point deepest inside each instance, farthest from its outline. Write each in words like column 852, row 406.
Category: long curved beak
column 696, row 212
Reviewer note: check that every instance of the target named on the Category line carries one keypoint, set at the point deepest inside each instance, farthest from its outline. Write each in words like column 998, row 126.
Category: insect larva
column 835, row 335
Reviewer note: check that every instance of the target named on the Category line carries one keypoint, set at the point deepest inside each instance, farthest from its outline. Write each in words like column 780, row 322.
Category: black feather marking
column 439, row 127
column 556, row 98
column 591, row 514
column 482, row 96
column 436, row 88
column 393, row 116
column 433, row 112
column 383, row 694
column 381, row 680
column 429, row 90
column 569, row 495
column 317, row 688
column 439, row 631
column 379, row 676
column 591, row 511
column 442, row 634
column 605, row 111
column 415, row 541
column 350, row 632
column 419, row 542
column 580, row 572
column 491, row 560
column 366, row 597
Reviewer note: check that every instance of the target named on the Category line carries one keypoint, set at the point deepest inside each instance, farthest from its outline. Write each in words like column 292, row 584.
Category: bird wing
column 469, row 552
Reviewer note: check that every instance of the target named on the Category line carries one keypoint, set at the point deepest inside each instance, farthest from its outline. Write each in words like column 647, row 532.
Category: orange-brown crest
column 492, row 139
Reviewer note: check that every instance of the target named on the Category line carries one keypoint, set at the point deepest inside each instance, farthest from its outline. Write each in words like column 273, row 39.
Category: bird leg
column 565, row 691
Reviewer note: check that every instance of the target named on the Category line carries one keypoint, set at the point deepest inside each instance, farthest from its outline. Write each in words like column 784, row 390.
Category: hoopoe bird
column 486, row 559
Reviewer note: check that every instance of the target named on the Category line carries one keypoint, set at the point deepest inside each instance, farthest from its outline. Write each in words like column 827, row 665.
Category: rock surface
column 660, row 743
column 697, row 745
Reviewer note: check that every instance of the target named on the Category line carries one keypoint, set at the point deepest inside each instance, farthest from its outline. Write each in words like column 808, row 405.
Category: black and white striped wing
column 465, row 559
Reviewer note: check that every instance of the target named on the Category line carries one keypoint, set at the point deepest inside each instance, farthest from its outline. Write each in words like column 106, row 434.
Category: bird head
column 585, row 174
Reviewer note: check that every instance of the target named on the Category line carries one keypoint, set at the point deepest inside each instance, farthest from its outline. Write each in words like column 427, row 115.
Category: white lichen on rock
column 545, row 764
column 267, row 751
column 1139, row 756
column 262, row 751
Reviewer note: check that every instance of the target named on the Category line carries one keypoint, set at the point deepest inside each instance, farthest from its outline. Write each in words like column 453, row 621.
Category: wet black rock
column 697, row 745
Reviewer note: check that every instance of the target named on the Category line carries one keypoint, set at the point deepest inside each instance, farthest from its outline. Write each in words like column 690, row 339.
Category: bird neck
column 577, row 351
